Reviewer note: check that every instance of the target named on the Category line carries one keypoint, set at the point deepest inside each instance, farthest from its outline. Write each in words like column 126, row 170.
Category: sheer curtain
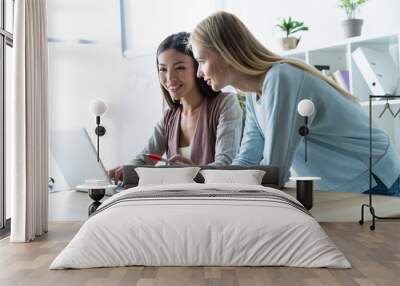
column 28, row 120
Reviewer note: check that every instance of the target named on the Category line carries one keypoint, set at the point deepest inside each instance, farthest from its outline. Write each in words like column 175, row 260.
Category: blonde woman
column 228, row 54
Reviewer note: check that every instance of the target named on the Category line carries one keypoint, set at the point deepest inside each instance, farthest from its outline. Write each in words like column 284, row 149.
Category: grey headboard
column 270, row 179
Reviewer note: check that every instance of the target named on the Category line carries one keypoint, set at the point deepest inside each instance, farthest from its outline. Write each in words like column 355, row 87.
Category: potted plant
column 352, row 26
column 290, row 27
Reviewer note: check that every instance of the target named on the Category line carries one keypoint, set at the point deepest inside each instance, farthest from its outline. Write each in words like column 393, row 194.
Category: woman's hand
column 116, row 174
column 180, row 160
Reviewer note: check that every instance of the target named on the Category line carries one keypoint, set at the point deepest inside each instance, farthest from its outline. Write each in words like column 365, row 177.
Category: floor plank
column 374, row 255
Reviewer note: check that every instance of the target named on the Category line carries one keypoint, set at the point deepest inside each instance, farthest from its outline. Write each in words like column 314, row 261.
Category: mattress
column 201, row 225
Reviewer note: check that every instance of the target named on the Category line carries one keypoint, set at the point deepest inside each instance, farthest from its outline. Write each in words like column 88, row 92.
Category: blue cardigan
column 338, row 143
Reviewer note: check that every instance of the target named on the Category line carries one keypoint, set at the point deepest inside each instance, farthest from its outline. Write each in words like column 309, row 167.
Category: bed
column 201, row 224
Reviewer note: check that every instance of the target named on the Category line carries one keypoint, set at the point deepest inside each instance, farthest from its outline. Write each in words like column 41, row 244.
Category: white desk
column 96, row 193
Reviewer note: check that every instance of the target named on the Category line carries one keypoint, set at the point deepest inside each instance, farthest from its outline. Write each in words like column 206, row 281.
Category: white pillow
column 248, row 177
column 166, row 176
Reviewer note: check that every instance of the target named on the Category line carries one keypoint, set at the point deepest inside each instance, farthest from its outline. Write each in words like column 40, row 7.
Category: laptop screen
column 76, row 156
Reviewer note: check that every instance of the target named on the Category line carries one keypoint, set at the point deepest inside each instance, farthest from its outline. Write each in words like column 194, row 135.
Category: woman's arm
column 228, row 131
column 283, row 91
column 251, row 149
column 156, row 145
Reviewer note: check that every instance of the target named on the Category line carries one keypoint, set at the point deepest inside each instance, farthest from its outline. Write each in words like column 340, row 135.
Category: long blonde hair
column 226, row 34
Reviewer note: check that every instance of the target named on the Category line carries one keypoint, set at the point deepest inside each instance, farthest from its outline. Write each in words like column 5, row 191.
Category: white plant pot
column 289, row 43
column 352, row 27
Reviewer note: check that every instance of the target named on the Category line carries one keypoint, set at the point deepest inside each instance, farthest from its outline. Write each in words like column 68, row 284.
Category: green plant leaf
column 350, row 6
column 281, row 27
column 299, row 29
column 290, row 26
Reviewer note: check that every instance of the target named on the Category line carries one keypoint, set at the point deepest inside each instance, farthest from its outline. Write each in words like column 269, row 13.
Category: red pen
column 156, row 157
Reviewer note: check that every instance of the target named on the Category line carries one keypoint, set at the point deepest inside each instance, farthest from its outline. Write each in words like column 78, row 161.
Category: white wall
column 162, row 18
column 323, row 17
column 79, row 73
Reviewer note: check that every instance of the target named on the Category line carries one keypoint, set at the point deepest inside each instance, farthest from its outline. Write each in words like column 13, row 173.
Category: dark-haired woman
column 202, row 126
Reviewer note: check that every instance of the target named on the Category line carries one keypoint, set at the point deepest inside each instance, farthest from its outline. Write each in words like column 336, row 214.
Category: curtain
column 29, row 123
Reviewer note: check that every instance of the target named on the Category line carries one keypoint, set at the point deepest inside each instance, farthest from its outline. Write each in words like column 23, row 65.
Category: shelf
column 380, row 102
column 338, row 56
column 361, row 41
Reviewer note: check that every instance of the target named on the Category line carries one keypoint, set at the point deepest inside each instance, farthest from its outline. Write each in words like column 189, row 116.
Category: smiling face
column 212, row 67
column 176, row 73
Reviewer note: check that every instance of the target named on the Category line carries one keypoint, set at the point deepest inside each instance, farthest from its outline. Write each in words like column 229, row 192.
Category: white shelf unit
column 338, row 57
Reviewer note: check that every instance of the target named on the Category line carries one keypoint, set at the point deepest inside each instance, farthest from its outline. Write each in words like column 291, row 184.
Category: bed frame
column 304, row 191
column 270, row 179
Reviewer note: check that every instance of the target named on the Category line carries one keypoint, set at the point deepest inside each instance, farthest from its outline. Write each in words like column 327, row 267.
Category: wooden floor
column 374, row 255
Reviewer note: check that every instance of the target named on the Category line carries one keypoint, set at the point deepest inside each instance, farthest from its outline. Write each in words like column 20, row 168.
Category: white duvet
column 200, row 231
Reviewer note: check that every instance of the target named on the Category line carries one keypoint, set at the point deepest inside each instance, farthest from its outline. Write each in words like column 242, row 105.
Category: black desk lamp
column 305, row 108
column 304, row 185
column 97, row 107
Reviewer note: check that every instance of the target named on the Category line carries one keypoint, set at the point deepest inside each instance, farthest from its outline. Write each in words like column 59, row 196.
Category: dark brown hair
column 180, row 43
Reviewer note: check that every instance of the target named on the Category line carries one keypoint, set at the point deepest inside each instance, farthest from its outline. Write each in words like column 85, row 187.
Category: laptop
column 76, row 157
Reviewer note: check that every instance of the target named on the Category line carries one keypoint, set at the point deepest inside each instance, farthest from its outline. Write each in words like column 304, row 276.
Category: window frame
column 129, row 51
column 6, row 39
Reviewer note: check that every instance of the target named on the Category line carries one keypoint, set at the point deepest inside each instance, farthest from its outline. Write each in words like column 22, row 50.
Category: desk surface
column 304, row 178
